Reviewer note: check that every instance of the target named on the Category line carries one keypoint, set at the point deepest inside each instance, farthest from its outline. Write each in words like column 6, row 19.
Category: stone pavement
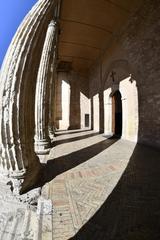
column 101, row 189
column 18, row 220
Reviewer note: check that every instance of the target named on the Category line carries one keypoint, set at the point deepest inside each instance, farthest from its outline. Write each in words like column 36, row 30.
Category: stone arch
column 126, row 85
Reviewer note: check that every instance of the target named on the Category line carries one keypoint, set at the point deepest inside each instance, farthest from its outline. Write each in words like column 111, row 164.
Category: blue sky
column 12, row 13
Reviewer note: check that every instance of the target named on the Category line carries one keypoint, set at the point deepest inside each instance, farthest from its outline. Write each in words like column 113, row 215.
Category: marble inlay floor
column 101, row 189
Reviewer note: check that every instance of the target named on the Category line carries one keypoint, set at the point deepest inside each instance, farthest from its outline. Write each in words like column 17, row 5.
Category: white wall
column 65, row 101
column 85, row 108
column 96, row 112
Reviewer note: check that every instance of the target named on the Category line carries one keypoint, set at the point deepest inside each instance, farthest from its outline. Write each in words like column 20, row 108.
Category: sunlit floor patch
column 78, row 193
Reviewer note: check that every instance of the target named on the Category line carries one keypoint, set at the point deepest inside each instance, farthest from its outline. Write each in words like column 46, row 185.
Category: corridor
column 66, row 70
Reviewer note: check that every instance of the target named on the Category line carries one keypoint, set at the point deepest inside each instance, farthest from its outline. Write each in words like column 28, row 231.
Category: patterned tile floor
column 103, row 189
column 17, row 220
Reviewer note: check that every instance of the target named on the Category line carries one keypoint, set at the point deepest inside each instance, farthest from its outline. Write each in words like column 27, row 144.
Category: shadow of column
column 132, row 210
column 64, row 163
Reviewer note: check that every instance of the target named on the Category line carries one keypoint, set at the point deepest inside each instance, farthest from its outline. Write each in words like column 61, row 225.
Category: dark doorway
column 117, row 114
column 86, row 120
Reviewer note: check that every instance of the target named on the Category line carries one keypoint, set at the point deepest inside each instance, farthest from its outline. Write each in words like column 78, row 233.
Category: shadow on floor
column 132, row 211
column 60, row 133
column 56, row 166
column 61, row 164
column 67, row 140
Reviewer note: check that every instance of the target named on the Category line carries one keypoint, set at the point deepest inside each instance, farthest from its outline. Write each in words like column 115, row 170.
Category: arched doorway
column 126, row 85
column 117, row 114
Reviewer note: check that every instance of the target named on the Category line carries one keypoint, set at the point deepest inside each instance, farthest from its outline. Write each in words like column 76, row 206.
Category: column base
column 23, row 181
column 43, row 146
column 51, row 130
column 17, row 174
column 33, row 178
column 14, row 179
column 53, row 139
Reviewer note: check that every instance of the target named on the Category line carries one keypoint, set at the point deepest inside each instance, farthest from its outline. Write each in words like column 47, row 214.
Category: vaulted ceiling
column 87, row 26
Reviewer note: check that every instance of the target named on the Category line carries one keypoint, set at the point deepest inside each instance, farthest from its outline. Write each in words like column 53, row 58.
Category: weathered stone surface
column 42, row 97
column 44, row 206
column 103, row 189
column 18, row 80
column 98, row 191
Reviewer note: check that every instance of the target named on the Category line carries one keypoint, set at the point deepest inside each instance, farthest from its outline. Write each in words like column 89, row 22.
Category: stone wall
column 134, row 54
column 72, row 104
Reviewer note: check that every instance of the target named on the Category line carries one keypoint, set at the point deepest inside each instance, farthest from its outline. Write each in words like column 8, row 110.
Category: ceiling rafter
column 87, row 24
column 105, row 29
column 77, row 57
column 80, row 44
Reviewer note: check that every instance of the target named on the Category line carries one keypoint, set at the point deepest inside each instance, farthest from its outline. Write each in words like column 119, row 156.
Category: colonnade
column 26, row 95
column 27, row 98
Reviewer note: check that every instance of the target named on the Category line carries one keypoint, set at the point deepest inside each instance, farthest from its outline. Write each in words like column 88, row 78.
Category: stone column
column 17, row 96
column 74, row 102
column 51, row 124
column 101, row 112
column 44, row 79
column 58, row 102
column 92, row 114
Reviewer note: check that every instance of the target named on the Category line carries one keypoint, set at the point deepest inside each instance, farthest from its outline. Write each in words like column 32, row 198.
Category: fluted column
column 17, row 96
column 42, row 139
column 51, row 124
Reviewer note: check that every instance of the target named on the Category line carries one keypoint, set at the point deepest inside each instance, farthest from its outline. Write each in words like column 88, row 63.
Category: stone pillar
column 51, row 124
column 58, row 101
column 92, row 116
column 101, row 112
column 17, row 96
column 44, row 79
column 74, row 102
